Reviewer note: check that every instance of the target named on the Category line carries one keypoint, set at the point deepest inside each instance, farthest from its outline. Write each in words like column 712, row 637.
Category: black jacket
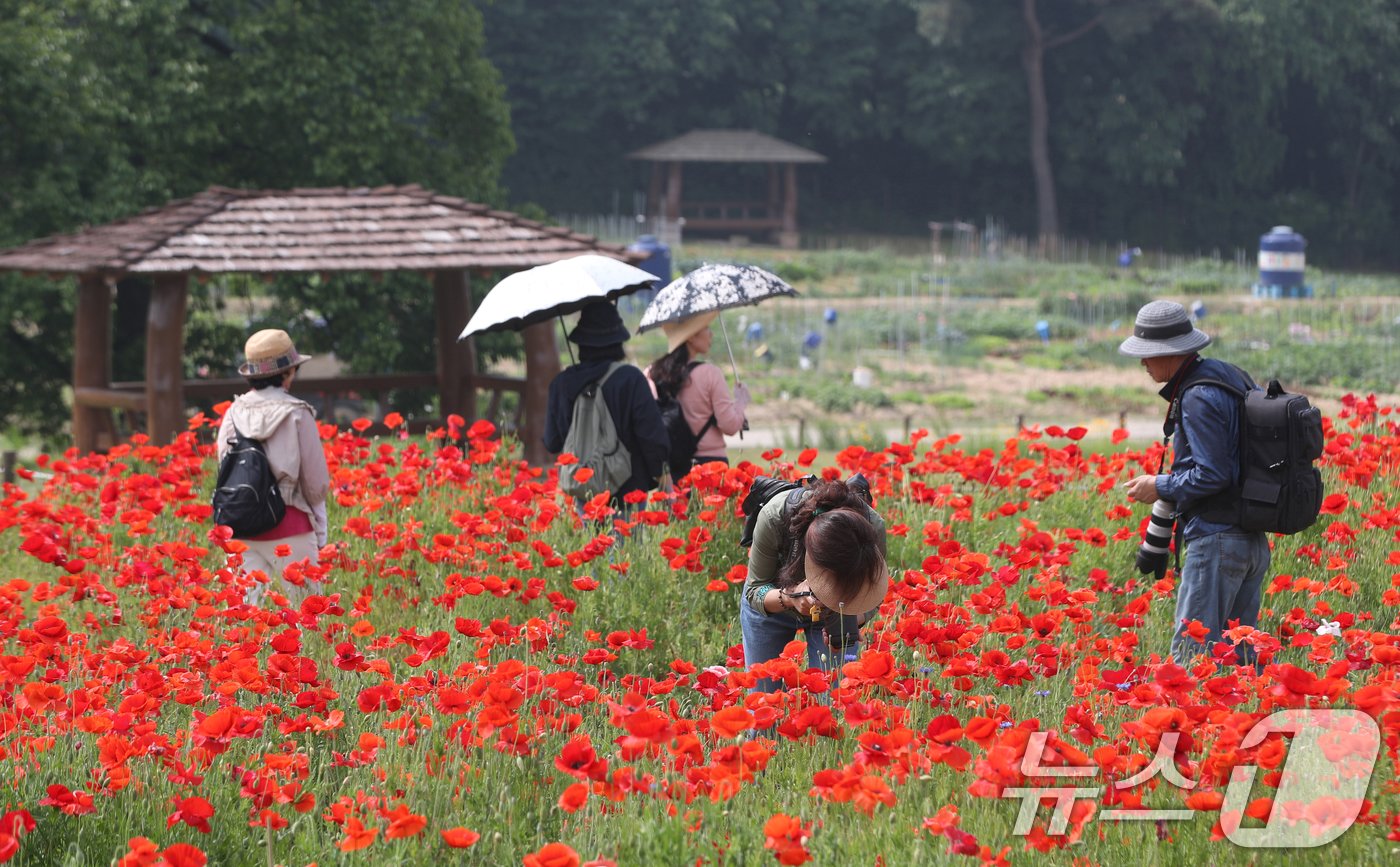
column 634, row 414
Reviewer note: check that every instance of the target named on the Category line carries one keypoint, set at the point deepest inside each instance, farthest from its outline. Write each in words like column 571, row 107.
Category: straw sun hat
column 826, row 591
column 681, row 330
column 268, row 353
column 1163, row 328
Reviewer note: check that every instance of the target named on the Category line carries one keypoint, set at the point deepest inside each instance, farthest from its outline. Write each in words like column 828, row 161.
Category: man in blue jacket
column 600, row 335
column 1224, row 568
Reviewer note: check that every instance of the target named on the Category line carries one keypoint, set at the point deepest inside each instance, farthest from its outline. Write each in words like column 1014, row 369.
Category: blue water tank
column 1281, row 260
column 658, row 258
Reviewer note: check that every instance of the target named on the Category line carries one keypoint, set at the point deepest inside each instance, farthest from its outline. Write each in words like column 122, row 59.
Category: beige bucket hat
column 268, row 353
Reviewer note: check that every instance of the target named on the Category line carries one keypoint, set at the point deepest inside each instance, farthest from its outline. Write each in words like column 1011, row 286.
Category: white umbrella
column 546, row 291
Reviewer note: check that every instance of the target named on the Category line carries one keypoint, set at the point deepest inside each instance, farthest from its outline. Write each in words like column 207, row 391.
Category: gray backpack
column 593, row 440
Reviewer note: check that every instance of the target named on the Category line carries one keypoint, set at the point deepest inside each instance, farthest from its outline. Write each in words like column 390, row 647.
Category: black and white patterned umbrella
column 712, row 287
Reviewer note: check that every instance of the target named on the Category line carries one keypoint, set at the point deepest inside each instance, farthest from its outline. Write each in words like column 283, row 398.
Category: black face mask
column 612, row 352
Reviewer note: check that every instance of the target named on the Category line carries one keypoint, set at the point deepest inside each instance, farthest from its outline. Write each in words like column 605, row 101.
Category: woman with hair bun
column 818, row 549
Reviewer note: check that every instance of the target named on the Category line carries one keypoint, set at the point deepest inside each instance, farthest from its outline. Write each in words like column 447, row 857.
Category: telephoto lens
column 1156, row 542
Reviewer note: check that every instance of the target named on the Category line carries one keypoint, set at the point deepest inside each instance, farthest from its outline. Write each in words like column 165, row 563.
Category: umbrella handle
column 724, row 329
column 564, row 328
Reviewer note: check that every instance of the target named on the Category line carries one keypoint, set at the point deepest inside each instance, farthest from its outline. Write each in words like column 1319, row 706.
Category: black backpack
column 765, row 488
column 1280, row 490
column 246, row 497
column 683, row 439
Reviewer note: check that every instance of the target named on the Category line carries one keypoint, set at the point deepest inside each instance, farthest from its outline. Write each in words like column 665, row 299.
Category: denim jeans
column 1220, row 581
column 765, row 638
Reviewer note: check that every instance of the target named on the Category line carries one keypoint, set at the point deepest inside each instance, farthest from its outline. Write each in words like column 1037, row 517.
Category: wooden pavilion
column 224, row 230
column 775, row 215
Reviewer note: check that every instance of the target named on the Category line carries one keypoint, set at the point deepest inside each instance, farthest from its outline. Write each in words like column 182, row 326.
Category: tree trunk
column 1033, row 60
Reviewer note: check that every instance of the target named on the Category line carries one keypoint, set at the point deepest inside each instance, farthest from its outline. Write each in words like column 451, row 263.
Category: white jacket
column 287, row 428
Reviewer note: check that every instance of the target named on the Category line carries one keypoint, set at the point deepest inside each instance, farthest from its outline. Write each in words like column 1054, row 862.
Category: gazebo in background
column 221, row 231
column 775, row 215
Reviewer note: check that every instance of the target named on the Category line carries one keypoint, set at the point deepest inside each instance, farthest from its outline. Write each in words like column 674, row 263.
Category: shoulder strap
column 596, row 385
column 1233, row 389
column 788, row 550
column 612, row 368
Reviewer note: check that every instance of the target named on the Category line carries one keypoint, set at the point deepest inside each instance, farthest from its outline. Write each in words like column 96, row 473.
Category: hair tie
column 819, row 510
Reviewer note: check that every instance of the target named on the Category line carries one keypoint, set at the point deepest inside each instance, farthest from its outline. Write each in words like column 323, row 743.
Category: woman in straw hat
column 699, row 387
column 816, row 566
column 286, row 426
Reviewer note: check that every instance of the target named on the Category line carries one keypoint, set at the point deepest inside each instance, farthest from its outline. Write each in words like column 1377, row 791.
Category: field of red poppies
column 495, row 679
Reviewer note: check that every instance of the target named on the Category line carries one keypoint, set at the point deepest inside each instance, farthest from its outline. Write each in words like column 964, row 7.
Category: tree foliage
column 110, row 106
column 1182, row 125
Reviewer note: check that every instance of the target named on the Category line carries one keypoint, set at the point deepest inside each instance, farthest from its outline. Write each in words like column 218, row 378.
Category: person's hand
column 1143, row 489
column 1150, row 561
column 741, row 393
column 800, row 599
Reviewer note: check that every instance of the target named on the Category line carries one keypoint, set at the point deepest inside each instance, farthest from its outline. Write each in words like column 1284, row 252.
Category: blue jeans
column 765, row 638
column 1220, row 581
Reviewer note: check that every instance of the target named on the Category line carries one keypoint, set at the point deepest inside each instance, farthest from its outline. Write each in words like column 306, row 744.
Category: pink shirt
column 294, row 523
column 706, row 393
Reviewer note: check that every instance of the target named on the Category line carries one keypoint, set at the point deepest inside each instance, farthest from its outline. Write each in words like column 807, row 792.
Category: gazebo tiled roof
column 726, row 146
column 225, row 230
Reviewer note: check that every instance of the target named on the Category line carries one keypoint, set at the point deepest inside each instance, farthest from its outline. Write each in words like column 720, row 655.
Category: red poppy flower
column 574, row 796
column 552, row 855
column 731, row 722
column 194, row 812
column 357, row 836
column 184, row 855
column 460, row 838
column 1335, row 504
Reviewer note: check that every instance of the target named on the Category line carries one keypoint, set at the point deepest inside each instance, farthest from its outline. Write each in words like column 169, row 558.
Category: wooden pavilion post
column 788, row 238
column 775, row 190
column 541, row 366
column 673, row 193
column 456, row 359
column 654, row 204
column 92, row 358
column 165, row 358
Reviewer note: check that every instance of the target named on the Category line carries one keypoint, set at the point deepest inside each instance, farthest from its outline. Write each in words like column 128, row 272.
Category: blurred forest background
column 1174, row 124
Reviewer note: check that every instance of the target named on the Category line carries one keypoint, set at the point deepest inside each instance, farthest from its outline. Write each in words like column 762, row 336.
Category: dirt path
column 1003, row 394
